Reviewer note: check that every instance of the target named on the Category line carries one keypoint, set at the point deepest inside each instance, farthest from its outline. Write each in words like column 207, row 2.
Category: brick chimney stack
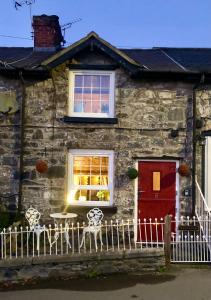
column 47, row 33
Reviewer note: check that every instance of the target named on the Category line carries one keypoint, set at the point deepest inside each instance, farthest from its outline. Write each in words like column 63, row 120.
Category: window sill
column 87, row 120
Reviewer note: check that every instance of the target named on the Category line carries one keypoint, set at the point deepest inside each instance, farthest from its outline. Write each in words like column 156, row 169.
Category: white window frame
column 208, row 172
column 72, row 187
column 72, row 75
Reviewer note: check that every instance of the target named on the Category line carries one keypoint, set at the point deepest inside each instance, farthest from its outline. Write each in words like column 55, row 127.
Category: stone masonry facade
column 147, row 111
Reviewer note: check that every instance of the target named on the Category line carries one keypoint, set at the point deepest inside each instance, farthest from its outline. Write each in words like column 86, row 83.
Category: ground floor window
column 90, row 177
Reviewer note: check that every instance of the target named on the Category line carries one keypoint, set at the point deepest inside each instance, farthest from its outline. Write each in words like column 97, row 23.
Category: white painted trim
column 208, row 171
column 136, row 202
column 70, row 186
column 136, row 192
column 72, row 74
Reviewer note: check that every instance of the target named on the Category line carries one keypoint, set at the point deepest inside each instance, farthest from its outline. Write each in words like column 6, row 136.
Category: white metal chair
column 94, row 216
column 33, row 217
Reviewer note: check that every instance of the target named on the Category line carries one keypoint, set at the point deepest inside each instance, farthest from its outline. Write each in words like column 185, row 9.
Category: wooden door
column 156, row 191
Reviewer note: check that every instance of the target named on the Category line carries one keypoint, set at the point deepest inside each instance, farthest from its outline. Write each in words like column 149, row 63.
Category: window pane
column 90, row 170
column 87, row 91
column 96, row 81
column 87, row 106
column 78, row 91
column 105, row 107
column 105, row 91
column 105, row 81
column 96, row 91
column 78, row 80
column 93, row 91
column 78, row 106
column 96, row 107
column 96, row 97
column 87, row 81
column 87, row 97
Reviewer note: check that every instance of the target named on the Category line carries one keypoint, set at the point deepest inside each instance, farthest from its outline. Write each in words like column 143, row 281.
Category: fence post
column 167, row 239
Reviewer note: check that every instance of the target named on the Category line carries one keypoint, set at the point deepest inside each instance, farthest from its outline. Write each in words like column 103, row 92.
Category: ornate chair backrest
column 33, row 217
column 95, row 216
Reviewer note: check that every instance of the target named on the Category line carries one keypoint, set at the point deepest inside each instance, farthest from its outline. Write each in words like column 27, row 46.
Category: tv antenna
column 18, row 4
column 69, row 25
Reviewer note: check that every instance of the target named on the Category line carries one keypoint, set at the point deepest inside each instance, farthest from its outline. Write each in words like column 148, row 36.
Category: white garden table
column 64, row 219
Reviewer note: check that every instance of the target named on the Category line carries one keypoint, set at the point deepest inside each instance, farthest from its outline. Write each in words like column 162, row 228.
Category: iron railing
column 189, row 244
column 116, row 235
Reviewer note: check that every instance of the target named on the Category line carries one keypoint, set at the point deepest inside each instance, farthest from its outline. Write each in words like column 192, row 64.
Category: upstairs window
column 91, row 94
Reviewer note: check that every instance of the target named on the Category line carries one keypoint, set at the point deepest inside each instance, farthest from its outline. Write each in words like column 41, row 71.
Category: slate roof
column 153, row 59
column 156, row 59
column 194, row 59
column 19, row 57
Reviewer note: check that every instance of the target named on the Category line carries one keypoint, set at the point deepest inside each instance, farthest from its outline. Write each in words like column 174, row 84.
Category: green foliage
column 7, row 219
column 4, row 217
column 162, row 269
column 91, row 274
column 132, row 173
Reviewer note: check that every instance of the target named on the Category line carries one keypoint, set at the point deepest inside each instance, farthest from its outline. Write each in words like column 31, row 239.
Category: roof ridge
column 184, row 48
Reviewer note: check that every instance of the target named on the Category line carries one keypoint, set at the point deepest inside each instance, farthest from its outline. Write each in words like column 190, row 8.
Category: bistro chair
column 94, row 216
column 33, row 217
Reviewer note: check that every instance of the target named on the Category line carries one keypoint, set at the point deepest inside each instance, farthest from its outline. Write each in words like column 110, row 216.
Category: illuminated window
column 90, row 180
column 91, row 94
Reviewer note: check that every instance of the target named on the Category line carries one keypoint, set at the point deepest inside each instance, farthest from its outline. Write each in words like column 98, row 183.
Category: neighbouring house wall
column 10, row 141
column 203, row 112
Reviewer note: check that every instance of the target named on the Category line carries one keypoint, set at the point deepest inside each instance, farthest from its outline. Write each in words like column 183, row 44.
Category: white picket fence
column 116, row 235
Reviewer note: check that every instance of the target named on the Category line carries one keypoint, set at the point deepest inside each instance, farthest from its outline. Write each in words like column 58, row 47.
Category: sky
column 123, row 23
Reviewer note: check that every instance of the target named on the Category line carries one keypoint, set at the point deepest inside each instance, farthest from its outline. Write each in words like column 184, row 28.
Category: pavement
column 177, row 283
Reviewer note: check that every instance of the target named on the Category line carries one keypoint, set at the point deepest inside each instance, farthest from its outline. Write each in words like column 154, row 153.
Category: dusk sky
column 124, row 23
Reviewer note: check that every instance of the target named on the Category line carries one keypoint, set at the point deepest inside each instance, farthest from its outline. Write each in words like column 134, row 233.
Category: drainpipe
column 196, row 86
column 22, row 119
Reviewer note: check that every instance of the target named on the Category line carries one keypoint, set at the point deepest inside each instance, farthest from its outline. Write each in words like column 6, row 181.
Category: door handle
column 141, row 191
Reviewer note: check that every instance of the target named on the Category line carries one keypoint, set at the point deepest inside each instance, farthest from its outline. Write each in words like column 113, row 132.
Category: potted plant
column 101, row 195
column 132, row 173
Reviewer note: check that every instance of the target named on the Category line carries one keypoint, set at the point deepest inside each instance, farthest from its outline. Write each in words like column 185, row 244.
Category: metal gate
column 189, row 244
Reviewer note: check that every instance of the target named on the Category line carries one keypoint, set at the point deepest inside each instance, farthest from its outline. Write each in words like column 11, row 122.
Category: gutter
column 195, row 87
column 29, row 73
column 22, row 120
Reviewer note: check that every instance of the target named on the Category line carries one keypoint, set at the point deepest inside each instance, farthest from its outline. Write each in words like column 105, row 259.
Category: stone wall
column 147, row 111
column 65, row 267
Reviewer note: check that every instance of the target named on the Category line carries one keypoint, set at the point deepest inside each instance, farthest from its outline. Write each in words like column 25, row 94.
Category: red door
column 156, row 192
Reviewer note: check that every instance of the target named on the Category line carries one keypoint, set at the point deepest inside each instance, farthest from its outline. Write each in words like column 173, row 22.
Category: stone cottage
column 76, row 123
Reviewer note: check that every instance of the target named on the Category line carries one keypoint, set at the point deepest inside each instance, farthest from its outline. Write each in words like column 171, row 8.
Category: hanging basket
column 132, row 173
column 184, row 170
column 41, row 166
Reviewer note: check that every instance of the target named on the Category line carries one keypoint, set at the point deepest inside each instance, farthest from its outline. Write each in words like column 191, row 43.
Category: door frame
column 136, row 191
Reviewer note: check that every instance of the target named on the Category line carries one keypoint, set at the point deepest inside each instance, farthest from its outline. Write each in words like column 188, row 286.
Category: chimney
column 47, row 33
